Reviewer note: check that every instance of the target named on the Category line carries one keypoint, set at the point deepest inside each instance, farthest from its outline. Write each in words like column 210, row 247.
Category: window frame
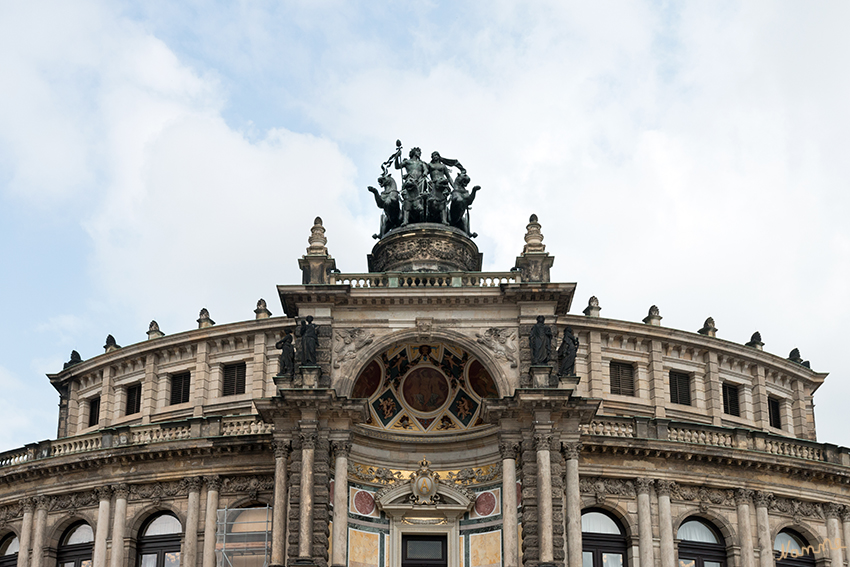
column 675, row 377
column 11, row 559
column 135, row 401
column 77, row 553
column 700, row 552
column 599, row 544
column 94, row 411
column 238, row 382
column 771, row 401
column 180, row 383
column 159, row 545
column 621, row 366
column 806, row 560
column 731, row 394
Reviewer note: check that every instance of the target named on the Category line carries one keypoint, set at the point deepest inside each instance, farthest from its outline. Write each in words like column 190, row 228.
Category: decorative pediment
column 424, row 495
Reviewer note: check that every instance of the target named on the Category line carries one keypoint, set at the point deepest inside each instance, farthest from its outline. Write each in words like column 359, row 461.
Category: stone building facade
column 424, row 433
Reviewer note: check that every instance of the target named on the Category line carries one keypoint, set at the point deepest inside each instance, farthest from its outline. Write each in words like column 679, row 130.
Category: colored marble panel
column 425, row 389
column 362, row 503
column 481, row 381
column 368, row 381
column 363, row 548
column 485, row 550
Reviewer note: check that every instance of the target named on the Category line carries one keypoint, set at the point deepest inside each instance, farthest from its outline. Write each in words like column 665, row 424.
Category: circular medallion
column 485, row 504
column 425, row 389
column 364, row 503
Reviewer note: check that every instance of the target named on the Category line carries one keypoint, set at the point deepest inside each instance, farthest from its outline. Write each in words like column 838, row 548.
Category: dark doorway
column 423, row 551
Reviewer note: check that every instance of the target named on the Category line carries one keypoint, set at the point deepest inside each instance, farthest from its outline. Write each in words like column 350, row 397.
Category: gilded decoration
column 465, row 477
column 424, row 387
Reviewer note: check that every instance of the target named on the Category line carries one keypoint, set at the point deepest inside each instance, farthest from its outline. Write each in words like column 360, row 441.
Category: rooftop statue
column 428, row 192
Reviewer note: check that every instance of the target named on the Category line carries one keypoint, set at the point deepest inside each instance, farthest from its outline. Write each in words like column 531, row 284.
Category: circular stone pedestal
column 425, row 247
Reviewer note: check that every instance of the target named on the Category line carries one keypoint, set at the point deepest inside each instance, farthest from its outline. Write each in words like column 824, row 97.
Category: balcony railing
column 431, row 280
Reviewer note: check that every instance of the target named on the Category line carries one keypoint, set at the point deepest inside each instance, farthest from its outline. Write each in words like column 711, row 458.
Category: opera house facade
column 427, row 413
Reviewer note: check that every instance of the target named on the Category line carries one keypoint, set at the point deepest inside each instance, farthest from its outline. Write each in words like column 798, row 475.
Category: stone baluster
column 122, row 492
column 510, row 534
column 281, row 457
column 41, row 505
column 665, row 522
column 340, row 500
column 104, row 496
column 571, row 453
column 28, row 505
column 213, row 483
column 190, row 539
column 309, row 437
column 762, row 501
column 745, row 530
column 542, row 446
column 644, row 490
column 833, row 532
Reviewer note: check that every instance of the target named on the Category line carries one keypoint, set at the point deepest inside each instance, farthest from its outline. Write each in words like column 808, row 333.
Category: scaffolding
column 243, row 537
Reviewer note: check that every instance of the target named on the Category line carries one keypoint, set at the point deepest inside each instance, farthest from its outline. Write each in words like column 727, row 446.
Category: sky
column 160, row 157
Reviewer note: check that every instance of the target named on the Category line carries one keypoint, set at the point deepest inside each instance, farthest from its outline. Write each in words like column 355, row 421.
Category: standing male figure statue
column 567, row 353
column 412, row 185
column 309, row 341
column 287, row 355
column 540, row 342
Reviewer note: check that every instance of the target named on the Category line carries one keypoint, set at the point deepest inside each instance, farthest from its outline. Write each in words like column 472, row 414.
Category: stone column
column 762, row 501
column 305, row 528
column 509, row 503
column 213, row 483
column 41, row 505
column 122, row 491
column 644, row 489
column 542, row 446
column 845, row 520
column 340, row 499
column 104, row 495
column 28, row 505
column 281, row 456
column 745, row 530
column 665, row 522
column 571, row 453
column 833, row 532
column 190, row 538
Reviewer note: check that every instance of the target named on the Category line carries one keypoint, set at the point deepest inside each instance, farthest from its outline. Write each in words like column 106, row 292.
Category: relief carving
column 347, row 342
column 502, row 342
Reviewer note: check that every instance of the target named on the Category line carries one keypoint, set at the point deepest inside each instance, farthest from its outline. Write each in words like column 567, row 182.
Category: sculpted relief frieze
column 348, row 342
column 502, row 343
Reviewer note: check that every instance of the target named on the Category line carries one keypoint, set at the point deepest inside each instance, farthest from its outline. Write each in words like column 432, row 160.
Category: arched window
column 700, row 545
column 75, row 547
column 243, row 536
column 603, row 540
column 792, row 550
column 9, row 547
column 159, row 542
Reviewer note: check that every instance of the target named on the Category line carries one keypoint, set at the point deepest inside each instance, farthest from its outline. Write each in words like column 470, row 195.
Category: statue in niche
column 567, row 353
column 413, row 184
column 440, row 187
column 309, row 341
column 461, row 199
column 540, row 342
column 388, row 201
column 287, row 355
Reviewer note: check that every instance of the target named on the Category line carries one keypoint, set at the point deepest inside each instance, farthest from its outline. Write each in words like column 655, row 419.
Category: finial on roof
column 153, row 331
column 75, row 359
column 110, row 345
column 533, row 237
column 317, row 239
column 794, row 356
column 534, row 262
column 262, row 312
column 653, row 317
column 204, row 320
column 592, row 309
column 708, row 328
column 755, row 341
column 317, row 265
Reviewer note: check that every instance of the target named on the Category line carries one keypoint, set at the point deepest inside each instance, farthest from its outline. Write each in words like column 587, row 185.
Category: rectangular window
column 234, row 379
column 730, row 399
column 134, row 399
column 180, row 388
column 94, row 411
column 680, row 388
column 622, row 379
column 773, row 411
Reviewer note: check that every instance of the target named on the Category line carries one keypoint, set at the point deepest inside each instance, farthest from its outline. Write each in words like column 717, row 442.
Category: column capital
column 762, row 499
column 644, row 485
column 833, row 510
column 542, row 442
column 42, row 502
column 103, row 492
column 571, row 450
column 309, row 439
column 341, row 448
column 845, row 514
column 663, row 487
column 27, row 504
column 193, row 483
column 508, row 449
column 743, row 496
column 213, row 482
column 121, row 490
column 281, row 449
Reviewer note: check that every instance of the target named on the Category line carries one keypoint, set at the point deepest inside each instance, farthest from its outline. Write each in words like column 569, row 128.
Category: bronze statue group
column 309, row 343
column 428, row 192
column 540, row 342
